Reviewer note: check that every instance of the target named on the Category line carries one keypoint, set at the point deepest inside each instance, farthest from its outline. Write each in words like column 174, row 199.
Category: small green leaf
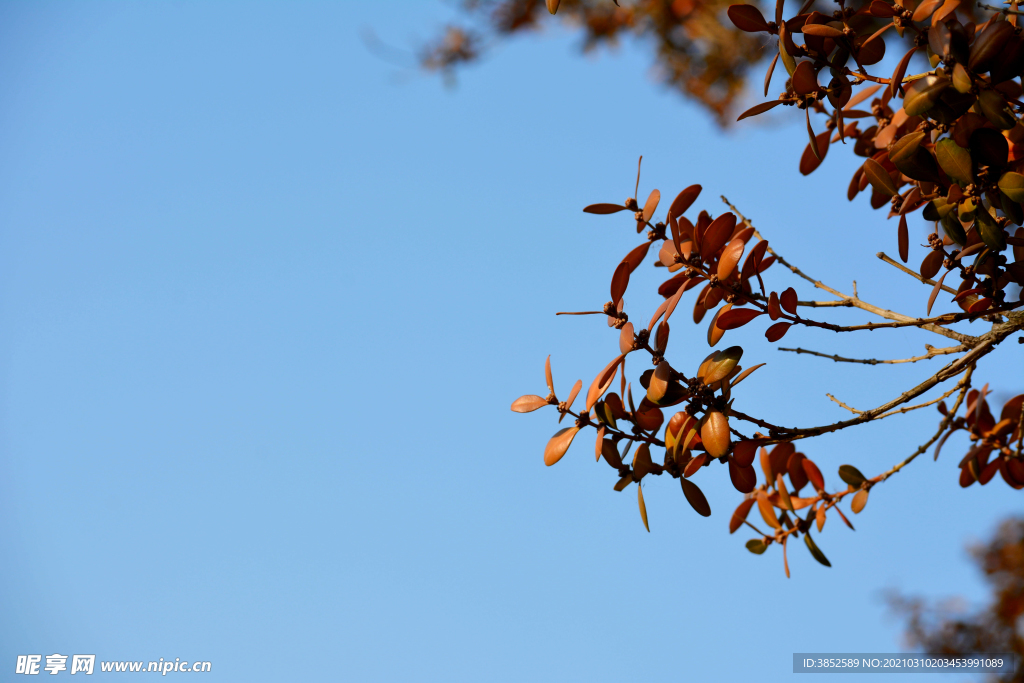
column 955, row 161
column 1012, row 185
column 951, row 226
column 923, row 93
column 815, row 551
column 991, row 233
column 851, row 475
column 756, row 546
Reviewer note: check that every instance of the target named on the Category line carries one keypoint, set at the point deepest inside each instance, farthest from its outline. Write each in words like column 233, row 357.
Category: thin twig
column 911, row 273
column 856, row 301
column 907, row 409
column 843, row 405
column 964, row 385
column 986, row 345
column 932, row 352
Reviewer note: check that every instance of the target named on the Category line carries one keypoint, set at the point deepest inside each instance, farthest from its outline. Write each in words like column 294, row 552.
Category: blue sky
column 266, row 299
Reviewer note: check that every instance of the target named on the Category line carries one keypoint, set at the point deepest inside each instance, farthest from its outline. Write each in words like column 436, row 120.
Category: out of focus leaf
column 756, row 546
column 860, row 499
column 851, row 475
column 815, row 551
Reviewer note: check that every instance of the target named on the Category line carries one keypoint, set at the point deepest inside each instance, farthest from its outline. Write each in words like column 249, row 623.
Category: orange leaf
column 528, row 404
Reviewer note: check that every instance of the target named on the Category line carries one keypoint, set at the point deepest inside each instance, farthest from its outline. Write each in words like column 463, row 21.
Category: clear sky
column 265, row 300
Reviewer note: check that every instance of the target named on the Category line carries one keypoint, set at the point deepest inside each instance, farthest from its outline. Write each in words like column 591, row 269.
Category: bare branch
column 988, row 342
column 925, row 324
column 911, row 273
column 932, row 352
column 964, row 384
column 843, row 405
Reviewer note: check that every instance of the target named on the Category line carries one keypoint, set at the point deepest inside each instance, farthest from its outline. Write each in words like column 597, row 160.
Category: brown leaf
column 643, row 508
column 743, row 452
column 528, row 404
column 931, row 264
column 625, row 340
column 603, row 208
column 767, row 511
column 684, row 200
column 714, row 332
column 774, row 310
column 879, row 178
column 759, row 109
column 768, row 74
column 651, row 205
column 714, row 434
column 717, row 234
column 695, row 497
column 740, row 515
column 899, row 73
column 814, row 155
column 860, row 499
column 730, row 258
column 744, row 479
column 635, row 257
column 813, row 474
column 620, row 280
column 788, row 300
column 575, row 391
column 748, row 18
column 822, row 30
column 780, row 486
column 737, row 317
column 935, row 292
column 805, row 80
column 862, row 95
column 746, row 373
column 547, row 375
column 603, row 382
column 925, row 9
column 904, row 239
column 559, row 444
column 776, row 331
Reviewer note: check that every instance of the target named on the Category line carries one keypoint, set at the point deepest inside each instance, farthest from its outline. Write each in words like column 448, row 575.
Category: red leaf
column 603, row 208
column 730, row 257
column 759, row 109
column 776, row 332
column 717, row 234
column 904, row 238
column 788, row 300
column 684, row 200
column 748, row 18
column 620, row 280
column 736, row 317
column 636, row 256
column 602, row 382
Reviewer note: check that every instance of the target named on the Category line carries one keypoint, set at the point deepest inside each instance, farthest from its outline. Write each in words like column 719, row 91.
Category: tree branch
column 908, row 321
column 932, row 352
column 911, row 273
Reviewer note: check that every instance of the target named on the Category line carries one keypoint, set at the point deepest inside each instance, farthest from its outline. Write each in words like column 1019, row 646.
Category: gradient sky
column 265, row 299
